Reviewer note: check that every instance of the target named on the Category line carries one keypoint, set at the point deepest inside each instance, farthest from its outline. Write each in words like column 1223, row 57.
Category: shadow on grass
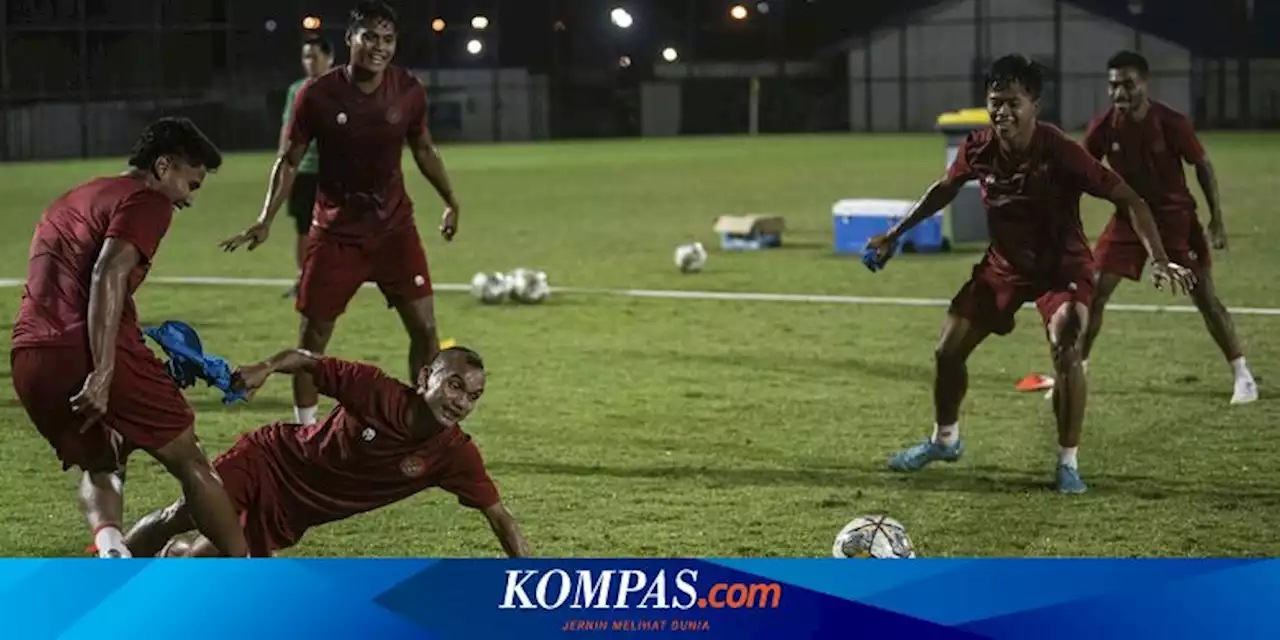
column 965, row 479
column 805, row 366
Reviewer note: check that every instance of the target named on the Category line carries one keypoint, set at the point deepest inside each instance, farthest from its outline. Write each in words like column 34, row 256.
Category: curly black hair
column 369, row 12
column 1017, row 69
column 178, row 137
column 1129, row 60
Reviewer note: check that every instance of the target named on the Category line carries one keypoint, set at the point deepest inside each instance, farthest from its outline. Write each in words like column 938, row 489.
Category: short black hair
column 319, row 42
column 369, row 12
column 469, row 356
column 174, row 136
column 1126, row 59
column 1016, row 69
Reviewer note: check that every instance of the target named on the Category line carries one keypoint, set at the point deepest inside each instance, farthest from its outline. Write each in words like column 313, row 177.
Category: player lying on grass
column 80, row 368
column 1032, row 176
column 384, row 442
column 1146, row 142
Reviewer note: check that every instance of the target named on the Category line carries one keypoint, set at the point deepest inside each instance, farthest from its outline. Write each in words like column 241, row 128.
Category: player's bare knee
column 1067, row 326
column 314, row 335
column 1066, row 357
column 183, row 458
column 948, row 356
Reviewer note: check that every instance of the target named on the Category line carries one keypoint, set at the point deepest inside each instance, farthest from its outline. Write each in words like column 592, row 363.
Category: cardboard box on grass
column 750, row 232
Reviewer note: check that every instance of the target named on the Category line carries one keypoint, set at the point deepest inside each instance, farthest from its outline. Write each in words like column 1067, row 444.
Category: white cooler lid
column 871, row 208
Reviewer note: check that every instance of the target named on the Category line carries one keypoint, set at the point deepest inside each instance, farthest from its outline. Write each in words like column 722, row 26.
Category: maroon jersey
column 360, row 136
column 1149, row 153
column 65, row 247
column 363, row 455
column 1033, row 202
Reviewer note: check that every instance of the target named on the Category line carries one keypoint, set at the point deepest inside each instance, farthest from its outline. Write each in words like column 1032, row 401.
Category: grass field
column 641, row 427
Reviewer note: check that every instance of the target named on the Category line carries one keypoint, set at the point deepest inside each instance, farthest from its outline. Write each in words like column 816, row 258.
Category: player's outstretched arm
column 427, row 156
column 1144, row 223
column 251, row 377
column 279, row 187
column 1080, row 166
column 939, row 195
column 1187, row 145
column 1208, row 179
column 504, row 526
column 107, row 290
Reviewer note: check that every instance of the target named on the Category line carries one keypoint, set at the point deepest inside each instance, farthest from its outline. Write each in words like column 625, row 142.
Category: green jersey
column 311, row 159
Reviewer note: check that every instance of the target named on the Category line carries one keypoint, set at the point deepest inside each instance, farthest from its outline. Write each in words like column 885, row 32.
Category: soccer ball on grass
column 528, row 286
column 690, row 258
column 873, row 537
column 489, row 288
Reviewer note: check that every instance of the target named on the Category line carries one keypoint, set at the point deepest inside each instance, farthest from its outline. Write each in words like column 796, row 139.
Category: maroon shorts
column 145, row 410
column 1120, row 251
column 333, row 270
column 991, row 299
column 245, row 470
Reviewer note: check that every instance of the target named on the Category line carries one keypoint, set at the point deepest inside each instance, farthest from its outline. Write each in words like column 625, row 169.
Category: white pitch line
column 696, row 295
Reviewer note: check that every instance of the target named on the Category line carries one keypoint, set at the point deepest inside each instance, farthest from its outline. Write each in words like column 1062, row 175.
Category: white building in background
column 902, row 76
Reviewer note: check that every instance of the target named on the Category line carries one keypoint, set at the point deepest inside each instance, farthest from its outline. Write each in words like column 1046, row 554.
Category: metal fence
column 80, row 77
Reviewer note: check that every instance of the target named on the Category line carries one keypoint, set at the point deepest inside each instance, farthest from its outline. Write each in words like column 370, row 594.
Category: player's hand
column 1178, row 278
column 91, row 401
column 254, row 236
column 449, row 223
column 250, row 378
column 1217, row 234
column 883, row 246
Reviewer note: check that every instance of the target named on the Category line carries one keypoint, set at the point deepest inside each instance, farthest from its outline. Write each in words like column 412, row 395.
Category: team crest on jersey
column 413, row 466
column 393, row 115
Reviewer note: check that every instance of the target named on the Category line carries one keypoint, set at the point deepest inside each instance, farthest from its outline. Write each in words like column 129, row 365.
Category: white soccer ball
column 528, row 286
column 690, row 258
column 873, row 537
column 489, row 288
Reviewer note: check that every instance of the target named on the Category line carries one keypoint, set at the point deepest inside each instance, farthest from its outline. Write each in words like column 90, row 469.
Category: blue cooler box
column 854, row 222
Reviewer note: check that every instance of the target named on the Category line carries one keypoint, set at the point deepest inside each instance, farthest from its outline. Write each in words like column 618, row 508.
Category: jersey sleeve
column 466, row 477
column 300, row 115
column 363, row 390
column 1184, row 140
column 1095, row 136
column 417, row 108
column 142, row 219
column 960, row 170
column 1086, row 171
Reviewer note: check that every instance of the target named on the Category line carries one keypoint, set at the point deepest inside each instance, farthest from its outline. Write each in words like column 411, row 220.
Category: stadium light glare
column 479, row 23
column 474, row 47
column 738, row 12
column 621, row 18
column 437, row 25
column 311, row 23
column 670, row 54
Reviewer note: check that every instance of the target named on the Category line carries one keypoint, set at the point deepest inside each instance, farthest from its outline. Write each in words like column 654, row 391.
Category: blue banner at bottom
column 708, row 598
